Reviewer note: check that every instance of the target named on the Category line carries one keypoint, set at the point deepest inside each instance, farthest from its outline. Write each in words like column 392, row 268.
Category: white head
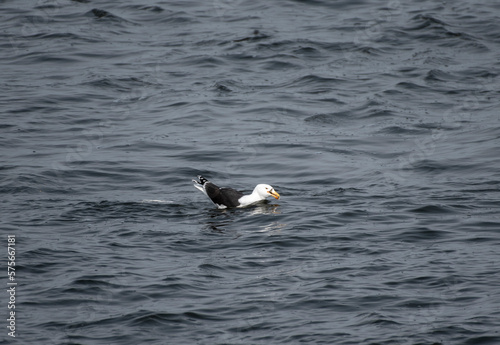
column 265, row 190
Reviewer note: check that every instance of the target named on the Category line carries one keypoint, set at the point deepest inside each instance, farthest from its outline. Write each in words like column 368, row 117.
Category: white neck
column 250, row 199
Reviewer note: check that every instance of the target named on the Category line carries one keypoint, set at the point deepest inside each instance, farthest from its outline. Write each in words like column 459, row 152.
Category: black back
column 223, row 196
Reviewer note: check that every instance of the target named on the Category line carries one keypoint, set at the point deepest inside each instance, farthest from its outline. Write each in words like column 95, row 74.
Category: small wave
column 401, row 130
column 433, row 209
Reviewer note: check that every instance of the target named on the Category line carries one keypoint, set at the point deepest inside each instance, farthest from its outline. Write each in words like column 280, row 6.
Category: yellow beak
column 274, row 194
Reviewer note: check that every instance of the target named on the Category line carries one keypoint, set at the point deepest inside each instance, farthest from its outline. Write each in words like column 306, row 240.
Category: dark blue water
column 377, row 122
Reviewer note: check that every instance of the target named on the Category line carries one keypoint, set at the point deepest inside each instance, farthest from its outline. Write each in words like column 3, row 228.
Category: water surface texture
column 376, row 121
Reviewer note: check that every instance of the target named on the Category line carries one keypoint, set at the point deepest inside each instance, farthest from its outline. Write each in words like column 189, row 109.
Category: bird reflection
column 273, row 228
column 265, row 208
column 221, row 220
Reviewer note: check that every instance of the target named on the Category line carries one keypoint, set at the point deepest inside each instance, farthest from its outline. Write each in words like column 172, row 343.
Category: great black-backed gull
column 228, row 197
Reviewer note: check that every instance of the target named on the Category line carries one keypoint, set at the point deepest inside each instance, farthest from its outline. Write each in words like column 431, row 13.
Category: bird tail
column 199, row 184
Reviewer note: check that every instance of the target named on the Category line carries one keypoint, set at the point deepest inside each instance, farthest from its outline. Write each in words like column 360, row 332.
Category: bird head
column 265, row 190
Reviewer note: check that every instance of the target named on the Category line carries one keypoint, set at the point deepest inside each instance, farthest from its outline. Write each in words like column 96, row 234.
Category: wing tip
column 201, row 180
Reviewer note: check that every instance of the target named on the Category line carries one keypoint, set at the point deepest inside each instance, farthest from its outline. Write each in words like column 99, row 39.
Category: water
column 377, row 122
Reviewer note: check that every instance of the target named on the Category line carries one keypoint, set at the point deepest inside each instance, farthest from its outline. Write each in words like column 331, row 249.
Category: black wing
column 223, row 196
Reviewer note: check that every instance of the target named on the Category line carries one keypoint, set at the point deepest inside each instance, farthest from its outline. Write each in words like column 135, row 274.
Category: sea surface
column 378, row 122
